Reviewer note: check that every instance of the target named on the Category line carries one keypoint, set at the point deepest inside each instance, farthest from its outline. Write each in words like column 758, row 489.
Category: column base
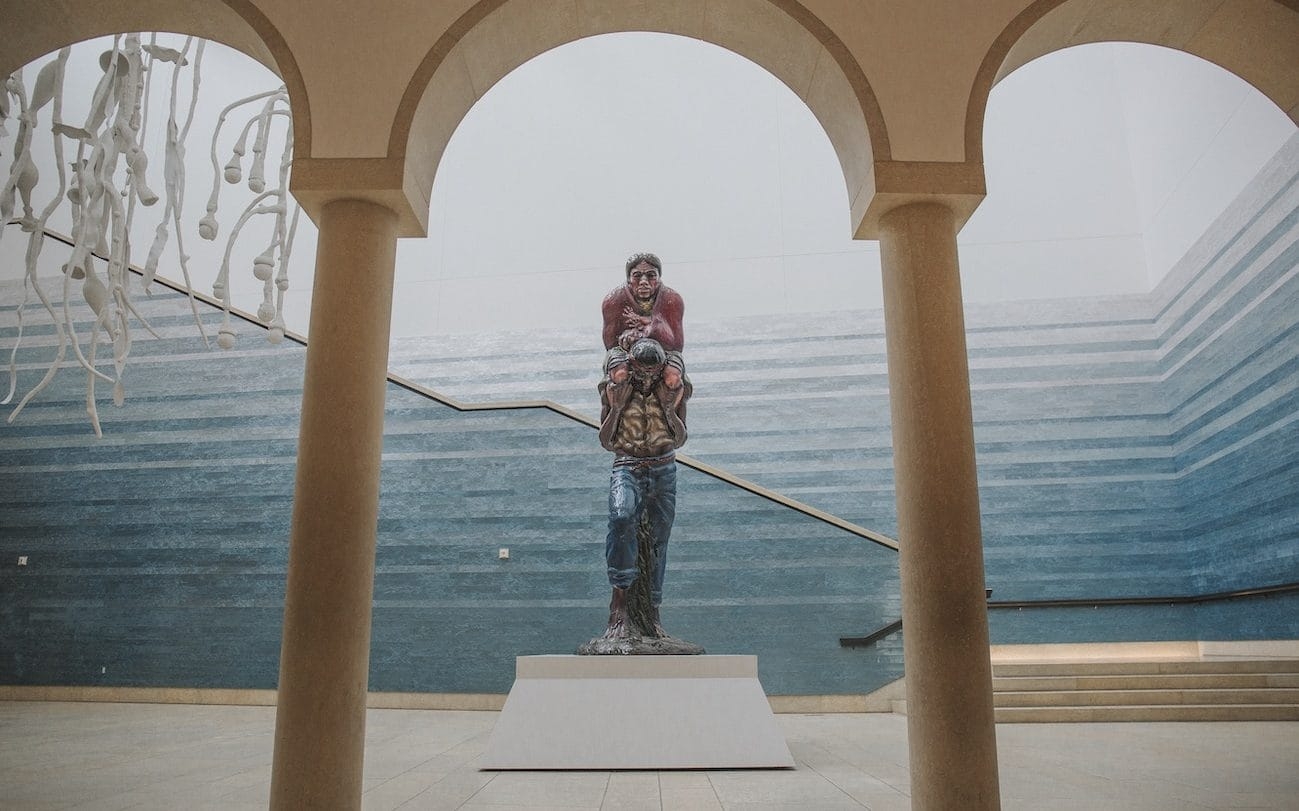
column 636, row 712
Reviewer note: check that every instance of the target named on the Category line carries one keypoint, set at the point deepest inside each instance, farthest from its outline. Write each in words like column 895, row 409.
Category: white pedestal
column 636, row 712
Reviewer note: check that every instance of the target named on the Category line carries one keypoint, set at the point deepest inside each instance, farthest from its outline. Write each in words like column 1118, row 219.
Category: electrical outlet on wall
column 503, row 554
column 22, row 560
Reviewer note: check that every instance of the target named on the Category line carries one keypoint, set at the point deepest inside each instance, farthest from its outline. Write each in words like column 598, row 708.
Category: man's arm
column 666, row 327
column 611, row 309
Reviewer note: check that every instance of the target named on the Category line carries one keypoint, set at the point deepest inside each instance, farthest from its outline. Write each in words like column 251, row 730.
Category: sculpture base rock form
column 639, row 646
column 634, row 628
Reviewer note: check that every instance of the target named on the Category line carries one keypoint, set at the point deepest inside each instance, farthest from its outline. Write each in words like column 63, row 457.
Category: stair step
column 1157, row 712
column 1171, row 681
column 1087, row 698
column 1181, row 666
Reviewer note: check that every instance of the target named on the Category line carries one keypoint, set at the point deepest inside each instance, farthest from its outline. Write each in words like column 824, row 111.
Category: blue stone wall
column 1156, row 450
column 156, row 555
column 1130, row 446
column 1231, row 375
column 745, row 575
column 1078, row 491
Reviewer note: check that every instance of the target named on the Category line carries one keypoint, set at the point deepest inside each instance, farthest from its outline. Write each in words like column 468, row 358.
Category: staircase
column 1190, row 690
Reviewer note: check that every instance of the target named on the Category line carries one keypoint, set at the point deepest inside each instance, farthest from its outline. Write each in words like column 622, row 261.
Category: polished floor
column 149, row 756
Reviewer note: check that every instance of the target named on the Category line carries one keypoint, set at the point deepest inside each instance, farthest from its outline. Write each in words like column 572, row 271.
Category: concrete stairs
column 1189, row 690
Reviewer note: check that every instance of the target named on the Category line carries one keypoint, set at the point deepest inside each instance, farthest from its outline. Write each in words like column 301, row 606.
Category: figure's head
column 647, row 353
column 643, row 273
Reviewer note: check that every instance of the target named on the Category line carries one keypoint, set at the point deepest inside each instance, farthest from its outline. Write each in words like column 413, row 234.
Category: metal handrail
column 893, row 627
column 1184, row 599
column 556, row 408
column 871, row 638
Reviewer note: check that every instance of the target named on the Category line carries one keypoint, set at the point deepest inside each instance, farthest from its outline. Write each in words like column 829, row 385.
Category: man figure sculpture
column 642, row 421
column 644, row 310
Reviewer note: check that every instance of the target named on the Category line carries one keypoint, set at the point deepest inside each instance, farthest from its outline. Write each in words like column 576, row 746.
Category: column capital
column 383, row 181
column 958, row 186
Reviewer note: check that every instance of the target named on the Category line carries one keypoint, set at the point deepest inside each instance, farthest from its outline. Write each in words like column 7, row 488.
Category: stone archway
column 496, row 36
column 31, row 31
column 1258, row 41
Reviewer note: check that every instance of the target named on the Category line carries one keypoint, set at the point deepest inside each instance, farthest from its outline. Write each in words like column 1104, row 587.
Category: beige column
column 952, row 740
column 325, row 653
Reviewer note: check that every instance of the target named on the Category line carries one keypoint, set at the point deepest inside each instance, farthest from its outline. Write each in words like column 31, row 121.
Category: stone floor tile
column 820, row 804
column 1094, row 804
column 633, row 791
column 258, row 774
column 631, row 804
column 560, row 789
column 684, row 780
column 870, row 792
column 386, row 795
column 476, row 805
column 451, row 792
column 245, row 799
column 778, row 788
column 1269, row 801
column 690, row 799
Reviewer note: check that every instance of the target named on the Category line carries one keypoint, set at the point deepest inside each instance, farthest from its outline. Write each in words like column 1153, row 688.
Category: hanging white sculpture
column 105, row 182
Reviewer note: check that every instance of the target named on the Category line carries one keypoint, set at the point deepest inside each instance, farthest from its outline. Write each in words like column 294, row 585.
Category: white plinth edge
column 636, row 712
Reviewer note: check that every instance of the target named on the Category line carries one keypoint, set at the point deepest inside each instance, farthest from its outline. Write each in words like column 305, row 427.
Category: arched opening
column 628, row 142
column 1258, row 42
column 1114, row 175
column 31, row 31
column 493, row 38
column 1118, row 408
column 225, row 75
column 176, row 513
column 579, row 157
column 730, row 179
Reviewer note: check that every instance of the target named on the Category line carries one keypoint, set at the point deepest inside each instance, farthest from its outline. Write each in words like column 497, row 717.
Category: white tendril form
column 101, row 188
column 269, row 312
column 207, row 227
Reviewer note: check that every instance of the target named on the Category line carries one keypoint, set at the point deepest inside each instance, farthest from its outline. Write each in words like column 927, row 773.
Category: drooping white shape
column 104, row 185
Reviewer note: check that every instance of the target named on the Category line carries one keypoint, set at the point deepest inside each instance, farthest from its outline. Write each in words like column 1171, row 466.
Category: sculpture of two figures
column 642, row 421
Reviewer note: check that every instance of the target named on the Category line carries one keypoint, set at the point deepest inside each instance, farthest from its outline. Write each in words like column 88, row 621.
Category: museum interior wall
column 1138, row 445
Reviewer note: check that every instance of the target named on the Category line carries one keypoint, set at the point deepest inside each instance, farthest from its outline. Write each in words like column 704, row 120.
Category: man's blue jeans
column 636, row 490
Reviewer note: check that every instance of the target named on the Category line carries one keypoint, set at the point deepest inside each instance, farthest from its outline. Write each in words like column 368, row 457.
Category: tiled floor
column 118, row 756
